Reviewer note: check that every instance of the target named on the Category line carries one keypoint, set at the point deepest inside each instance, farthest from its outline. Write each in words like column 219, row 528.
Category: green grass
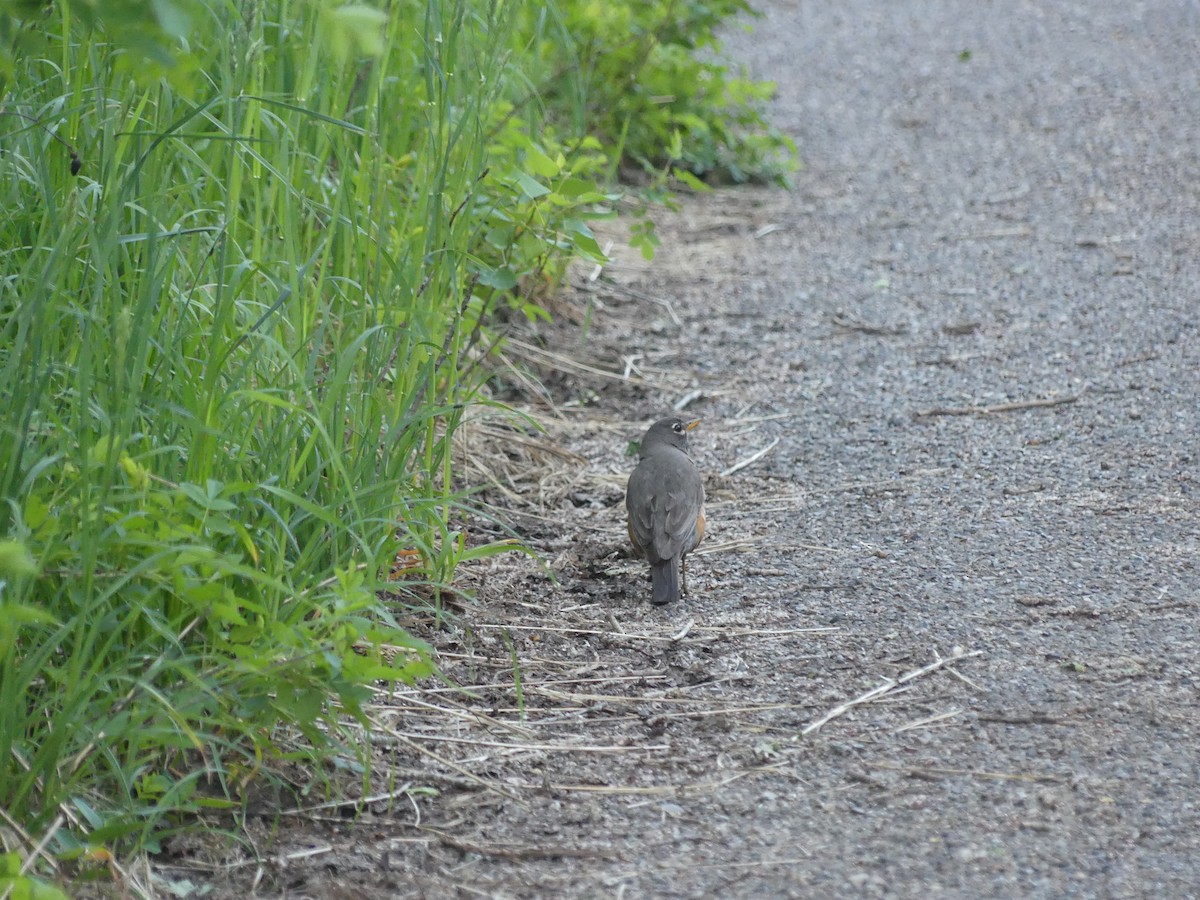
column 239, row 286
column 229, row 369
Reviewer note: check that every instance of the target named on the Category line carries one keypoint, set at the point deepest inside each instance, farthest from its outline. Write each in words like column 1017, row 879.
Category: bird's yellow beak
column 690, row 425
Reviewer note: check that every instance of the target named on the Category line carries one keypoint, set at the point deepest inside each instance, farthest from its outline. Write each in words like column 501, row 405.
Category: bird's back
column 665, row 499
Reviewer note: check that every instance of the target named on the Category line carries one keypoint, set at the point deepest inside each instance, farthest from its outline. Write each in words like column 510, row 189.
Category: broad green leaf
column 500, row 279
column 541, row 164
column 530, row 187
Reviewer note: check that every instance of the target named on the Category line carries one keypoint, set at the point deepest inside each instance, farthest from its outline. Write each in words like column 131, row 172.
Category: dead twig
column 681, row 789
column 845, row 321
column 533, row 746
column 514, row 852
column 39, row 850
column 722, row 634
column 1015, row 194
column 751, row 864
column 484, row 783
column 888, row 686
column 1027, row 719
column 683, row 632
column 751, row 459
column 351, row 803
column 689, row 398
column 994, row 408
column 617, row 632
column 965, row 680
column 707, row 705
column 931, row 771
column 564, row 363
column 928, row 720
column 614, row 287
column 37, row 847
column 281, row 860
column 1015, row 231
column 452, row 709
column 738, row 544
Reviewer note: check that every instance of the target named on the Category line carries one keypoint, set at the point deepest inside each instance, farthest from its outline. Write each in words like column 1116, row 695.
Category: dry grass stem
column 1015, row 231
column 889, row 686
column 516, row 852
column 349, row 802
column 688, row 399
column 690, row 788
column 977, row 410
column 533, row 746
column 928, row 720
column 845, row 320
column 626, row 290
column 751, row 459
column 927, row 771
column 739, row 544
column 749, row 420
column 750, row 864
column 451, row 710
column 38, row 849
column 484, row 783
column 563, row 363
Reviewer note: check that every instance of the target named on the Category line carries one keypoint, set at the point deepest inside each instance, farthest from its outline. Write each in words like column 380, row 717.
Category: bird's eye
column 677, row 428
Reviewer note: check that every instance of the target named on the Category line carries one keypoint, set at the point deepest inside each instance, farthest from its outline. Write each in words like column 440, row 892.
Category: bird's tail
column 664, row 578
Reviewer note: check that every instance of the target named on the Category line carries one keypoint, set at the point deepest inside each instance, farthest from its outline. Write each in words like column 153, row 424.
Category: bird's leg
column 683, row 575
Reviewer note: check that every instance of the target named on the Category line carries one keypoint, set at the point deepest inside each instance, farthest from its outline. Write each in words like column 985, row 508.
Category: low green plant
column 650, row 84
column 232, row 316
column 17, row 884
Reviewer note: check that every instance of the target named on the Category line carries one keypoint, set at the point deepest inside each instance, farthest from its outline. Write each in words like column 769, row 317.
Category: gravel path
column 974, row 329
column 1011, row 193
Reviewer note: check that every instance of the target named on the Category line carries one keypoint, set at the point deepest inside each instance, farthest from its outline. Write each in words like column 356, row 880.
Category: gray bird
column 665, row 500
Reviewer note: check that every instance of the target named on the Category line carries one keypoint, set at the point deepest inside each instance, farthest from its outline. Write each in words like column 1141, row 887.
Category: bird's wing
column 640, row 502
column 668, row 499
column 680, row 503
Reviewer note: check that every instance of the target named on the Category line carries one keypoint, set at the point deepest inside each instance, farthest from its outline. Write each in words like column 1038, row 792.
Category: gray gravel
column 1014, row 190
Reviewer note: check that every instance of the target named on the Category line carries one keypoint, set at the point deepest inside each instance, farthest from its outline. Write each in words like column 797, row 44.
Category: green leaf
column 216, row 803
column 541, row 164
column 209, row 498
column 690, row 180
column 501, row 236
column 582, row 191
column 501, row 279
column 37, row 511
column 20, row 887
column 16, row 561
column 357, row 27
column 530, row 188
column 535, row 313
column 585, row 243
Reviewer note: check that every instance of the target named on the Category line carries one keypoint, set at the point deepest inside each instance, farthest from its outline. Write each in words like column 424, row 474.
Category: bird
column 665, row 502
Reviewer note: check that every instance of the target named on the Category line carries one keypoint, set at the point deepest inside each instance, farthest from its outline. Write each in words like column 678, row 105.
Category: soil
column 941, row 637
